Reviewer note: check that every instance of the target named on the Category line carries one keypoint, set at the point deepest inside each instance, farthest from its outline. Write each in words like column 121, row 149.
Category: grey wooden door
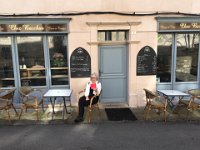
column 113, row 73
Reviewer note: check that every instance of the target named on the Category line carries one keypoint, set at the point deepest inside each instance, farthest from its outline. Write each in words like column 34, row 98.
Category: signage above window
column 179, row 26
column 33, row 28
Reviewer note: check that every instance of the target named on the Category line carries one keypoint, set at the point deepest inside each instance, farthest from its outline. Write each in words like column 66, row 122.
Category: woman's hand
column 96, row 92
column 87, row 98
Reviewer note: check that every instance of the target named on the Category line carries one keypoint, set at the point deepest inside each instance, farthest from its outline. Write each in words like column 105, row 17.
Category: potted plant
column 58, row 60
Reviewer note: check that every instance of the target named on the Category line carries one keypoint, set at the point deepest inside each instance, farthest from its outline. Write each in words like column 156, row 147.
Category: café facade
column 129, row 50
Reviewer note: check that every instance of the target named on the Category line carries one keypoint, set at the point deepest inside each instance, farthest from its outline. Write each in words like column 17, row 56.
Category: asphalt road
column 102, row 136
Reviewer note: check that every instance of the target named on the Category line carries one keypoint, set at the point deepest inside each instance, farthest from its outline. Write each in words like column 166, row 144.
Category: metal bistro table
column 170, row 95
column 53, row 94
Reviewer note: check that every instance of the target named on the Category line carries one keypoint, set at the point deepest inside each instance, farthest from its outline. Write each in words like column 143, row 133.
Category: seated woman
column 93, row 88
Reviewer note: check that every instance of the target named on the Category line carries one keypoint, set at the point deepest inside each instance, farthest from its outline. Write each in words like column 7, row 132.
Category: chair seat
column 3, row 103
column 95, row 105
column 196, row 105
column 184, row 101
column 30, row 102
column 157, row 103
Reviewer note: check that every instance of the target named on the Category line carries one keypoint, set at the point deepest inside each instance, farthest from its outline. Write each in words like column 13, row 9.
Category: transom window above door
column 112, row 35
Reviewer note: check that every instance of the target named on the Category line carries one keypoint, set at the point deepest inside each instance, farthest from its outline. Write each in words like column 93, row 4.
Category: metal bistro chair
column 91, row 106
column 30, row 101
column 6, row 101
column 153, row 101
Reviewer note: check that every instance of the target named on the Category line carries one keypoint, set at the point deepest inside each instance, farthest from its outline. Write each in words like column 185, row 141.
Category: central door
column 113, row 73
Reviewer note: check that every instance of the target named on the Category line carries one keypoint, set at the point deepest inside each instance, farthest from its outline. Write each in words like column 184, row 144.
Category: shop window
column 58, row 59
column 6, row 63
column 178, row 57
column 187, row 57
column 164, row 57
column 31, row 60
column 117, row 35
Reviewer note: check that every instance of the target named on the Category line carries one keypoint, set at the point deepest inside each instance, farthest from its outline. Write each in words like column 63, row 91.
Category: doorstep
column 113, row 105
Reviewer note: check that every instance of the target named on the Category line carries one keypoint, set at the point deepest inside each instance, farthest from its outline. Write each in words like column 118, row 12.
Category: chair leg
column 14, row 110
column 145, row 109
column 159, row 111
column 147, row 114
column 165, row 117
column 188, row 112
column 99, row 113
column 21, row 112
column 37, row 114
column 89, row 114
column 43, row 106
column 8, row 115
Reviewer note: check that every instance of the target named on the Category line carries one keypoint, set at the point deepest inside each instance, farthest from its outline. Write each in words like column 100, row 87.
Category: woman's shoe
column 78, row 119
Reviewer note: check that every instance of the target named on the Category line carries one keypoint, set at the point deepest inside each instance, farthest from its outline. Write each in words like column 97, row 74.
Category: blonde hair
column 94, row 74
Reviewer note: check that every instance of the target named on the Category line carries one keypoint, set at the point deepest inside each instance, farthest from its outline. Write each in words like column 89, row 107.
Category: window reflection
column 164, row 57
column 6, row 64
column 187, row 57
column 31, row 60
column 58, row 60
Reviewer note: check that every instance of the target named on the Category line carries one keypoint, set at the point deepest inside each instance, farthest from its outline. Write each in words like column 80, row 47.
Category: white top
column 87, row 89
column 58, row 93
column 173, row 93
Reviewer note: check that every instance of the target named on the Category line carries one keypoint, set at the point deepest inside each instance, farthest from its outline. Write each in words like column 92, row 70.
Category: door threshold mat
column 120, row 114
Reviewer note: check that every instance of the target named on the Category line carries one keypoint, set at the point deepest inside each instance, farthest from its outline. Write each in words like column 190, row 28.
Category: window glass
column 187, row 57
column 101, row 36
column 164, row 57
column 112, row 35
column 58, row 59
column 31, row 60
column 6, row 63
column 121, row 36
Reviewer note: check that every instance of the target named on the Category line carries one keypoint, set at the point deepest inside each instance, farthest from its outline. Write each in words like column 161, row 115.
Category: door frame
column 127, row 70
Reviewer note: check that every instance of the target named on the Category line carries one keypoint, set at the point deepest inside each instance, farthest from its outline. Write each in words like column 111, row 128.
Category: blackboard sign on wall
column 146, row 61
column 80, row 63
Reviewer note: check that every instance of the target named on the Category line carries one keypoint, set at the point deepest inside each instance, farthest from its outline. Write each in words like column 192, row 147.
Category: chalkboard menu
column 80, row 63
column 146, row 61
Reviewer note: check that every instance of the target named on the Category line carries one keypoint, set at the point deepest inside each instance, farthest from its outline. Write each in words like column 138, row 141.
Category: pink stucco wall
column 140, row 35
column 81, row 34
column 27, row 6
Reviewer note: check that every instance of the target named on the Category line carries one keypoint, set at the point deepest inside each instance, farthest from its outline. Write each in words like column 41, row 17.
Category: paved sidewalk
column 102, row 136
column 46, row 117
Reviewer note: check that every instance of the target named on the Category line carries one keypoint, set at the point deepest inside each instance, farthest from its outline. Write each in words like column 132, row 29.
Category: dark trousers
column 82, row 103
